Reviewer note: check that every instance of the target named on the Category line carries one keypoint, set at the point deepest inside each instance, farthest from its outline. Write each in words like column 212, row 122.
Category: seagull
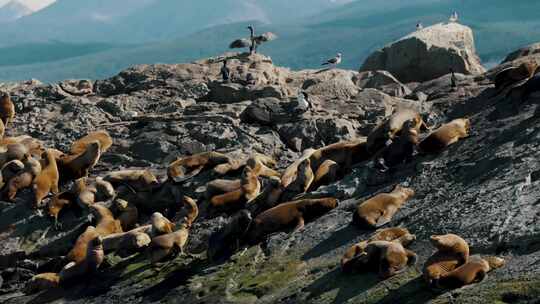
column 253, row 41
column 454, row 17
column 334, row 61
column 419, row 26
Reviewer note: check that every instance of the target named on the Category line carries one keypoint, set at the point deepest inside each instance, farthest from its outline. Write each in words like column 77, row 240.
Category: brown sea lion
column 344, row 153
column 15, row 151
column 2, row 129
column 474, row 271
column 515, row 74
column 379, row 210
column 11, row 169
column 402, row 149
column 24, row 179
column 165, row 245
column 7, row 109
column 400, row 235
column 387, row 258
column 93, row 259
column 452, row 252
column 446, row 135
column 81, row 145
column 86, row 194
column 58, row 203
column 41, row 282
column 221, row 186
column 127, row 214
column 105, row 222
column 141, row 180
column 392, row 126
column 327, row 173
column 290, row 174
column 250, row 188
column 47, row 180
column 302, row 182
column 289, row 215
column 259, row 164
column 188, row 167
column 160, row 224
column 77, row 166
column 78, row 252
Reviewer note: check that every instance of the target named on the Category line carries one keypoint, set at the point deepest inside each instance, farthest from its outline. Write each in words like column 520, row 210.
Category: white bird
column 454, row 17
column 334, row 61
column 419, row 26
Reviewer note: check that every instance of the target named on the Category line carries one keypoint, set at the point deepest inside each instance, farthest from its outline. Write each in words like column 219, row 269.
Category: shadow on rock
column 414, row 291
column 347, row 286
column 338, row 239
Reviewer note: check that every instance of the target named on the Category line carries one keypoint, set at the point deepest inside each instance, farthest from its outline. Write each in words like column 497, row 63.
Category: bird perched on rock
column 333, row 61
column 419, row 26
column 454, row 17
column 253, row 41
column 302, row 101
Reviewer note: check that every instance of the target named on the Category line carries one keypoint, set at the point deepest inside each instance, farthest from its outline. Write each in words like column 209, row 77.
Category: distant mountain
column 355, row 29
column 140, row 21
column 13, row 10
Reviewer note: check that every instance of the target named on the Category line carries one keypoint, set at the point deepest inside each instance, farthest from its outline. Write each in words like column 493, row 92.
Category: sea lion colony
column 261, row 202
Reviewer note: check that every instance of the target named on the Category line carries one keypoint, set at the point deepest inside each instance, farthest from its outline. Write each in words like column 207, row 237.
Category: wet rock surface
column 485, row 188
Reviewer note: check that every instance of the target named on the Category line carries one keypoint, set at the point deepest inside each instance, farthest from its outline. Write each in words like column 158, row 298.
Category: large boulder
column 428, row 53
column 383, row 81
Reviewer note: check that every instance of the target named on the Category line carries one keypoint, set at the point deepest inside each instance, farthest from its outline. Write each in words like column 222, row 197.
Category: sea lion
column 344, row 153
column 86, row 194
column 188, row 167
column 289, row 215
column 24, row 179
column 259, row 164
column 227, row 240
column 93, row 259
column 389, row 128
column 7, row 109
column 402, row 149
column 302, row 182
column 388, row 258
column 104, row 189
column 221, row 186
column 474, row 271
column 160, row 224
column 47, row 180
column 515, row 74
column 77, row 166
column 2, row 129
column 250, row 188
column 379, row 210
column 11, row 169
column 105, row 222
column 81, row 145
column 57, row 204
column 452, row 252
column 15, row 151
column 291, row 172
column 141, row 180
column 165, row 245
column 446, row 135
column 127, row 214
column 399, row 235
column 78, row 252
column 326, row 174
column 41, row 282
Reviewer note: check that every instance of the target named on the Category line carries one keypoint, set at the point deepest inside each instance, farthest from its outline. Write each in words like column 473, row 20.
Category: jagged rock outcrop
column 383, row 81
column 484, row 187
column 531, row 51
column 428, row 53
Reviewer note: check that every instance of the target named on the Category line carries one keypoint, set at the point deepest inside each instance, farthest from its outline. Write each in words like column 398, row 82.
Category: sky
column 33, row 4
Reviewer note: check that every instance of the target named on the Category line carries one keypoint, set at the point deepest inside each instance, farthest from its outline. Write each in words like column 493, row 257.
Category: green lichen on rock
column 249, row 276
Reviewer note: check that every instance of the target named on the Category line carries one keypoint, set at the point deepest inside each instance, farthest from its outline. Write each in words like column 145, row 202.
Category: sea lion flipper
column 300, row 224
column 193, row 173
column 382, row 221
